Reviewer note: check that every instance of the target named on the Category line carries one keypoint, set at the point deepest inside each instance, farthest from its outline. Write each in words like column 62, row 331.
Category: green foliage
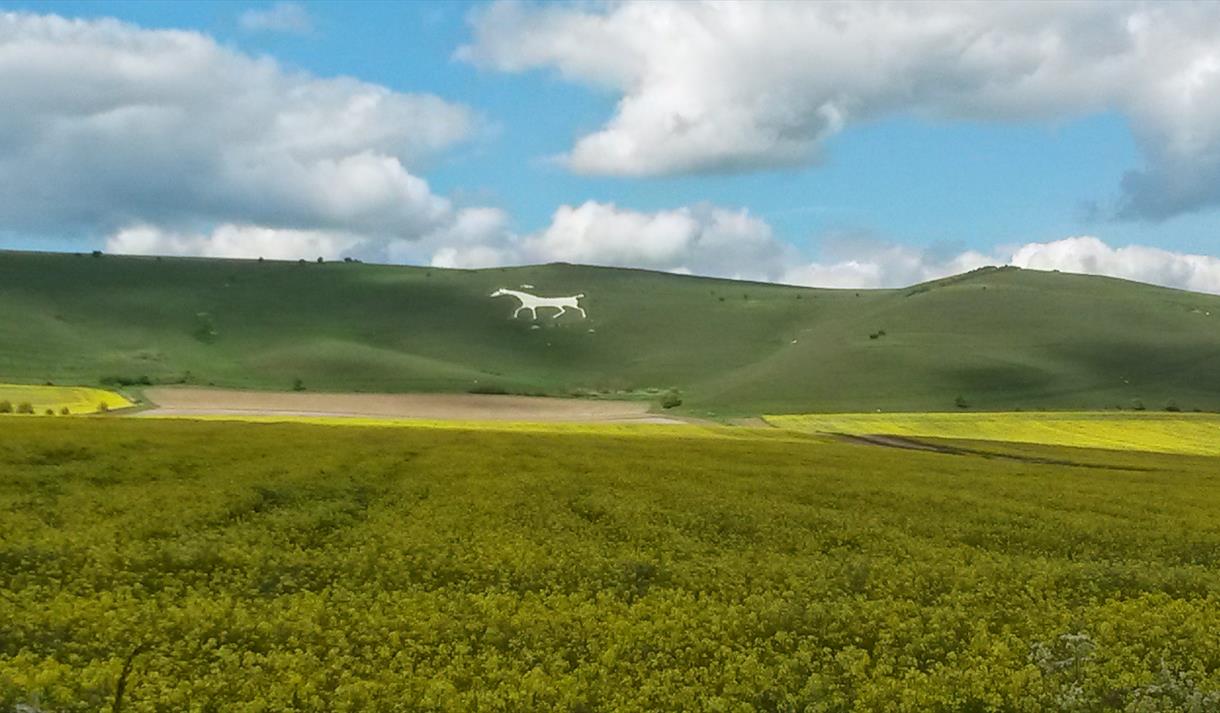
column 25, row 407
column 1032, row 340
column 298, row 384
column 671, row 399
column 205, row 328
column 494, row 389
column 6, row 406
column 125, row 380
column 285, row 567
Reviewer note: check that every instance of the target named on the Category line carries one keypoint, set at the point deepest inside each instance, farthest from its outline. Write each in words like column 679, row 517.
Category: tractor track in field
column 186, row 402
column 912, row 444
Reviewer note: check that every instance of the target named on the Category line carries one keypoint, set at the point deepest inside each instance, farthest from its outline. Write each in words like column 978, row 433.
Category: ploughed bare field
column 175, row 401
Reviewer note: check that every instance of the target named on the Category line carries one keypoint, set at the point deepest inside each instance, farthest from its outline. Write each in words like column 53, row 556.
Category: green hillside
column 997, row 338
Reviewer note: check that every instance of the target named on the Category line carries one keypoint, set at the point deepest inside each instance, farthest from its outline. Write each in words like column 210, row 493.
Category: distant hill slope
column 997, row 338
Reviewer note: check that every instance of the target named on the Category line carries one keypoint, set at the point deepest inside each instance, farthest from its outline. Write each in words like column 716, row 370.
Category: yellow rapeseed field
column 1186, row 433
column 642, row 429
column 77, row 399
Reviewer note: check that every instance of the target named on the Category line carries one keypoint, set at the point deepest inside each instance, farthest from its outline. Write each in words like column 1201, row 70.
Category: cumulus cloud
column 105, row 126
column 868, row 264
column 703, row 239
column 287, row 17
column 239, row 241
column 732, row 86
column 1089, row 255
column 476, row 237
column 722, row 242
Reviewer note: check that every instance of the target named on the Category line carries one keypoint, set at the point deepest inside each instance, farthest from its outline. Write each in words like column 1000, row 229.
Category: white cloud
column 700, row 240
column 867, row 264
column 240, row 241
column 730, row 86
column 711, row 240
column 1090, row 255
column 105, row 125
column 871, row 265
column 476, row 237
column 703, row 239
column 288, row 17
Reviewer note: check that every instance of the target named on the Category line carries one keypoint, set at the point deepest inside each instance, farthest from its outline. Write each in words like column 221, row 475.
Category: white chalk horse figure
column 533, row 302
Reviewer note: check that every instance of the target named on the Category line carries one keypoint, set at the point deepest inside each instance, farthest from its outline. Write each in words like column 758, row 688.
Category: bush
column 298, row 385
column 205, row 327
column 125, row 380
column 961, row 402
column 671, row 399
column 6, row 406
column 50, row 412
column 25, row 407
column 492, row 389
column 65, row 411
column 1173, row 407
column 103, row 407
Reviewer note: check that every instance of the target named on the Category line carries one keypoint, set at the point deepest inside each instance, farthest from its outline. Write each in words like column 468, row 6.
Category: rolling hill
column 993, row 339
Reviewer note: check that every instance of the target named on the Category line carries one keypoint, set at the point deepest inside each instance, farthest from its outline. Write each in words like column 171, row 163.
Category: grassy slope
column 1001, row 339
column 303, row 568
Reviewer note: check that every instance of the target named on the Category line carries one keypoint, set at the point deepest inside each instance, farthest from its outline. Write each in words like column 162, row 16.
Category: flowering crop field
column 172, row 565
column 77, row 399
column 1188, row 433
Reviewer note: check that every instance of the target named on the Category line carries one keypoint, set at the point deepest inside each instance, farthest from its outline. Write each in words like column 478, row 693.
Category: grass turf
column 998, row 339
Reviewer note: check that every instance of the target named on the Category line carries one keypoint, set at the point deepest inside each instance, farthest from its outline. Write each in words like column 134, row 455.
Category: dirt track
column 446, row 407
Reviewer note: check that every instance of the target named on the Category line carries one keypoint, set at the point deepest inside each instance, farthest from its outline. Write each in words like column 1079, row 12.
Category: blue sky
column 939, row 184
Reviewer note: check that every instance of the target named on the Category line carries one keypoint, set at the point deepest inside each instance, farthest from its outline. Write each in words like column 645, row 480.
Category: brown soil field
column 175, row 401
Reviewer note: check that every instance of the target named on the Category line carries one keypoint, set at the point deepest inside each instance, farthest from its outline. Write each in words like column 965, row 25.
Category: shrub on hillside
column 65, row 411
column 103, row 407
column 25, row 407
column 205, row 328
column 961, row 402
column 671, row 399
column 6, row 406
column 126, row 380
column 492, row 389
column 298, row 384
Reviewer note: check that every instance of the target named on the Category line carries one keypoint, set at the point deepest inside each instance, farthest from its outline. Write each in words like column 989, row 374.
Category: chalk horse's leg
column 559, row 314
column 582, row 312
column 518, row 311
